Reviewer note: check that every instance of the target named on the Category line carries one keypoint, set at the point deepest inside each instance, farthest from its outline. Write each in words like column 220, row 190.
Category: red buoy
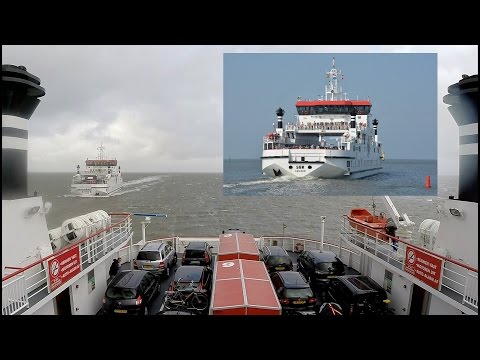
column 427, row 181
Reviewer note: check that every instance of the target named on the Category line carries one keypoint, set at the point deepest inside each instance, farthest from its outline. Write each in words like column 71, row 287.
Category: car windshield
column 194, row 253
column 148, row 255
column 298, row 293
column 121, row 293
column 330, row 266
column 278, row 260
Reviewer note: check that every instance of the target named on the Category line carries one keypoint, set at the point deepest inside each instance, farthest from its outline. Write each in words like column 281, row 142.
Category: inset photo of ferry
column 330, row 124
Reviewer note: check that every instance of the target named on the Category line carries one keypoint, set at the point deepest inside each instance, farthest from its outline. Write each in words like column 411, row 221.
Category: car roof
column 277, row 250
column 323, row 256
column 196, row 245
column 360, row 284
column 293, row 280
column 152, row 246
column 128, row 279
column 188, row 273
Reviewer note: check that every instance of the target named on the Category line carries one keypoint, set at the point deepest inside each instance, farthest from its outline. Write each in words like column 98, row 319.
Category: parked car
column 192, row 277
column 358, row 295
column 130, row 291
column 157, row 257
column 293, row 292
column 276, row 259
column 197, row 253
column 319, row 266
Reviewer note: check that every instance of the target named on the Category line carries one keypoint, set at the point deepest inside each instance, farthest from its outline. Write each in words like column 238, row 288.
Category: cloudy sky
column 160, row 108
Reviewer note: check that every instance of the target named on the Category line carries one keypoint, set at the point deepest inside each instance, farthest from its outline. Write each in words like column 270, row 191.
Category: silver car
column 156, row 257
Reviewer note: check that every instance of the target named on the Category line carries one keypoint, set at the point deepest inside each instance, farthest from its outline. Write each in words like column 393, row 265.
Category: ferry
column 64, row 271
column 102, row 177
column 333, row 137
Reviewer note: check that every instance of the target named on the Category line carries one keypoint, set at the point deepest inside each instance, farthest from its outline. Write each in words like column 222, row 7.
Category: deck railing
column 457, row 280
column 24, row 287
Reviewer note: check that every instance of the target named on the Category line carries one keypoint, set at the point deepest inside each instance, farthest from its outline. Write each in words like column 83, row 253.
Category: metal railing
column 24, row 287
column 458, row 281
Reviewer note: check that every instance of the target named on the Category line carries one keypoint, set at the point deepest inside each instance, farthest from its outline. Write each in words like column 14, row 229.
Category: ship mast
column 331, row 88
column 101, row 154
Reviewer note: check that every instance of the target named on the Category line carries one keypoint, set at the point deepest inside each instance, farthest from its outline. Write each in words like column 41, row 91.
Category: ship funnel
column 463, row 100
column 20, row 93
column 280, row 112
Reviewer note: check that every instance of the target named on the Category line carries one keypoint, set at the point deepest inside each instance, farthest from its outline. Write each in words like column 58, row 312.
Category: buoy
column 427, row 181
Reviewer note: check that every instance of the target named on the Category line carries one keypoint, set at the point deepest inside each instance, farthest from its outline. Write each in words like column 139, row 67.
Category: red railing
column 127, row 215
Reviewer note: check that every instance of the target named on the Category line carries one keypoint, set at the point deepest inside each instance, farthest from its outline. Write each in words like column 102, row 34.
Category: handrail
column 394, row 238
column 67, row 247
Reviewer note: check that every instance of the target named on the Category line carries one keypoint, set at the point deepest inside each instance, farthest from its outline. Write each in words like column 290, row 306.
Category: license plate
column 195, row 262
column 298, row 302
column 119, row 311
column 148, row 266
column 280, row 268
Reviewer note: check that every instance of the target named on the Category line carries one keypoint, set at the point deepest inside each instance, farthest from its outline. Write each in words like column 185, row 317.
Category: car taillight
column 138, row 300
column 312, row 300
column 135, row 264
column 183, row 258
column 162, row 264
column 284, row 301
column 206, row 257
column 104, row 300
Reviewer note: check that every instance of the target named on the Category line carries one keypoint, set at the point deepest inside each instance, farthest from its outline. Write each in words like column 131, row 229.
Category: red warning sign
column 63, row 267
column 423, row 266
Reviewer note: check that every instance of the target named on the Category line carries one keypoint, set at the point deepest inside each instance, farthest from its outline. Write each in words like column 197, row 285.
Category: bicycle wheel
column 173, row 301
column 199, row 302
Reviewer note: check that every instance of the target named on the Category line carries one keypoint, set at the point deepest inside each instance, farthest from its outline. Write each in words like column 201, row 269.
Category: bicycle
column 175, row 300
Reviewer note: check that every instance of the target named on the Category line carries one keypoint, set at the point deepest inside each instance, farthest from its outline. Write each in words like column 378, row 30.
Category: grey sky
column 160, row 108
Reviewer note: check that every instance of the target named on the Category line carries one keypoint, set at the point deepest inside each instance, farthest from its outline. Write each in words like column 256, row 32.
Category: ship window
column 264, row 146
column 269, row 146
column 302, row 158
column 309, row 166
column 71, row 236
column 348, row 163
column 70, row 226
column 290, row 167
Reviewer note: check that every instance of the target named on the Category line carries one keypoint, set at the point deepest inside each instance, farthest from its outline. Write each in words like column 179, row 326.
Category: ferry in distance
column 102, row 177
column 333, row 137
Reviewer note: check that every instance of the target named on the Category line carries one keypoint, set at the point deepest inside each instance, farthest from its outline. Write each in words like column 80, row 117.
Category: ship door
column 420, row 301
column 63, row 304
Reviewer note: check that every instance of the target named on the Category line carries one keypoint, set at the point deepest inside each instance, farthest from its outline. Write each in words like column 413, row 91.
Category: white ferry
column 102, row 177
column 333, row 137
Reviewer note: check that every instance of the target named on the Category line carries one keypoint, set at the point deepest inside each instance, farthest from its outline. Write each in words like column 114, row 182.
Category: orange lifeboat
column 373, row 225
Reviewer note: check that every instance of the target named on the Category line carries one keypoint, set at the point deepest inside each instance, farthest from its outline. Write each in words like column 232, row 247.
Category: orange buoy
column 427, row 181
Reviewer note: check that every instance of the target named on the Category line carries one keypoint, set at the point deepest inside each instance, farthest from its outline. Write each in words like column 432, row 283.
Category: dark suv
column 358, row 295
column 276, row 259
column 197, row 253
column 130, row 291
column 293, row 292
column 319, row 266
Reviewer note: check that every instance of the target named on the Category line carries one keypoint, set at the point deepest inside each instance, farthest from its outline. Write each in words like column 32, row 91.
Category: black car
column 358, row 295
column 320, row 266
column 276, row 259
column 197, row 253
column 130, row 291
column 293, row 292
column 189, row 278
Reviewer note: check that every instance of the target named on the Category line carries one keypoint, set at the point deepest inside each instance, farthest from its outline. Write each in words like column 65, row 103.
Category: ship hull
column 95, row 190
column 327, row 164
